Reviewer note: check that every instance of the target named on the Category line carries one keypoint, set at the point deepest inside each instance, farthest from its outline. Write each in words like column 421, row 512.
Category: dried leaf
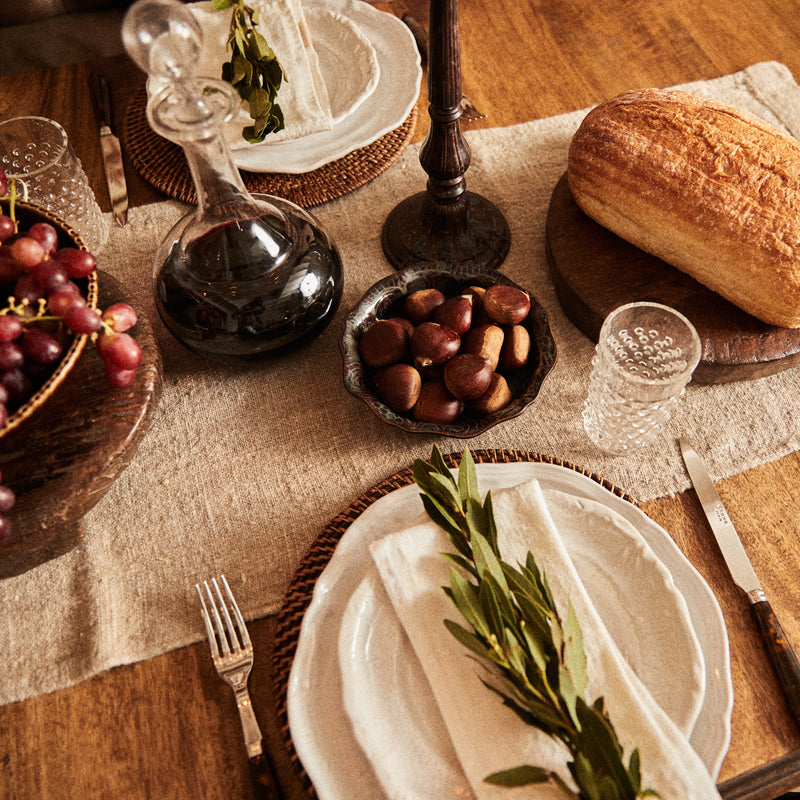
column 253, row 70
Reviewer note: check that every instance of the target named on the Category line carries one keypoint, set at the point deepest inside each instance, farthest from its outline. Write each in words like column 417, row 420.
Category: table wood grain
column 168, row 727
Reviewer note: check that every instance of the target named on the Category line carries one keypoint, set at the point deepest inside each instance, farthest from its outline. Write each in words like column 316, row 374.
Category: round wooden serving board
column 65, row 456
column 594, row 271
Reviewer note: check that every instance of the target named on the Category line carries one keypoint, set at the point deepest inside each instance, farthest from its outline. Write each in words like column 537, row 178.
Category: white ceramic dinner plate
column 346, row 57
column 373, row 112
column 322, row 730
column 385, row 692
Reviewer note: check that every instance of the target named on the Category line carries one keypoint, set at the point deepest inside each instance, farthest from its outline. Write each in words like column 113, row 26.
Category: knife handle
column 784, row 661
column 265, row 784
column 101, row 98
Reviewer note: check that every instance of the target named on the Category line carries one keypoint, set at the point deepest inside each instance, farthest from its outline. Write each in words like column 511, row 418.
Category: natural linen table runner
column 243, row 467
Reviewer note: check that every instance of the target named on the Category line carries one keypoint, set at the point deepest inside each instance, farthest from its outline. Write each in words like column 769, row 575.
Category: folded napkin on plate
column 302, row 97
column 487, row 736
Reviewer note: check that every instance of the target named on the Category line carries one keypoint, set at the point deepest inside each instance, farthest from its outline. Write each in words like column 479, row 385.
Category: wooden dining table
column 168, row 727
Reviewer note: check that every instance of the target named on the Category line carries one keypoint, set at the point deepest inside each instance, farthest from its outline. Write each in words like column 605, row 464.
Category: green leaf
column 273, row 73
column 569, row 693
column 461, row 562
column 634, row 770
column 518, row 776
column 469, row 639
column 468, row 478
column 491, row 526
column 533, row 710
column 258, row 48
column 240, row 42
column 438, row 463
column 599, row 744
column 442, row 517
column 260, row 104
column 253, row 70
column 468, row 603
column 240, row 69
column 491, row 611
column 434, row 483
column 574, row 654
column 487, row 562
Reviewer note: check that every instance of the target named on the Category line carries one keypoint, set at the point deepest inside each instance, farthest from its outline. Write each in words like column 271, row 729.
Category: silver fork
column 232, row 654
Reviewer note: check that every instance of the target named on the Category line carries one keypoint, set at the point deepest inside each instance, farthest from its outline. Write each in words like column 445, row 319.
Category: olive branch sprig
column 532, row 656
column 253, row 70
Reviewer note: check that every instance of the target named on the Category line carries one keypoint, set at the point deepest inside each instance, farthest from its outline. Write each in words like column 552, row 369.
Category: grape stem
column 12, row 200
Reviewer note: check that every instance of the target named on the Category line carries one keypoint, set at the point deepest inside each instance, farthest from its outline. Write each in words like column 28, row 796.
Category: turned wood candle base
column 469, row 229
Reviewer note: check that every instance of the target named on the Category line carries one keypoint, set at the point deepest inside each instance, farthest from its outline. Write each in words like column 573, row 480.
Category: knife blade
column 110, row 148
column 782, row 657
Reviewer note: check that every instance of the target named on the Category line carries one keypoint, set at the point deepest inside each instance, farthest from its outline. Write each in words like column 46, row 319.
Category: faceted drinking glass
column 645, row 356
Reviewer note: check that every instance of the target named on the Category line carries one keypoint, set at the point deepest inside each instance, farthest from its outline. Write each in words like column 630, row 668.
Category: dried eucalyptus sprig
column 534, row 658
column 254, row 70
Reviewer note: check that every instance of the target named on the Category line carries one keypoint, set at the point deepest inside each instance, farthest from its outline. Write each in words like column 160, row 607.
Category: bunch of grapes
column 45, row 308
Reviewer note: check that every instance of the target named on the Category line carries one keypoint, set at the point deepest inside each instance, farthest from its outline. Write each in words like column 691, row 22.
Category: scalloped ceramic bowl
column 385, row 298
column 27, row 214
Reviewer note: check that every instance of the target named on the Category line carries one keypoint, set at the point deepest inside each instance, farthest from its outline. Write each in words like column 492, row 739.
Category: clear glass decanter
column 244, row 274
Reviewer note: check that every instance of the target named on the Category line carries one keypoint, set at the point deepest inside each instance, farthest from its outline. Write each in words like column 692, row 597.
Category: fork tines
column 224, row 638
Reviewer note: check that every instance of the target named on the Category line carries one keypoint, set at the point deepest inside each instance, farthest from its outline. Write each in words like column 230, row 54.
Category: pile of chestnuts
column 446, row 355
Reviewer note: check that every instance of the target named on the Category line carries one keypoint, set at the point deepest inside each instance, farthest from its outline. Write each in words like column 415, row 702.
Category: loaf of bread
column 708, row 188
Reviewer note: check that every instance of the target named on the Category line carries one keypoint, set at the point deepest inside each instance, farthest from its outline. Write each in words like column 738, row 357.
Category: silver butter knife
column 110, row 147
column 783, row 659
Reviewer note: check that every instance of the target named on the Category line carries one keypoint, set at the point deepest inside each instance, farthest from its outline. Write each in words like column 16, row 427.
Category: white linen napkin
column 487, row 736
column 303, row 97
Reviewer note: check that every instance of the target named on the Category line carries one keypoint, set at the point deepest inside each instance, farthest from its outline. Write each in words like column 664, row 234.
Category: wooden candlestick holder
column 445, row 222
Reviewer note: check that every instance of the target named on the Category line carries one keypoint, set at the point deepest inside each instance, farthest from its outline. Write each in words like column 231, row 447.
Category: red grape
column 5, row 527
column 117, row 377
column 120, row 349
column 51, row 276
column 27, row 252
column 9, row 269
column 121, row 317
column 3, row 401
column 26, row 288
column 7, row 227
column 18, row 385
column 79, row 263
column 41, row 346
column 45, row 234
column 10, row 327
column 61, row 302
column 6, row 499
column 83, row 319
column 3, row 411
column 11, row 356
column 3, row 183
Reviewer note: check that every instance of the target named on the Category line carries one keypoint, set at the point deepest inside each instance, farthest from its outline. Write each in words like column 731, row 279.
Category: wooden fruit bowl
column 63, row 449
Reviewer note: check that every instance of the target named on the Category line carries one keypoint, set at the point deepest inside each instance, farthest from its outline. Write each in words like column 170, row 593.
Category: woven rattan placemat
column 163, row 163
column 298, row 596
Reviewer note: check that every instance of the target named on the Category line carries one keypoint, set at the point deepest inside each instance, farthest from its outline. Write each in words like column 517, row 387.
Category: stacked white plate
column 362, row 717
column 370, row 66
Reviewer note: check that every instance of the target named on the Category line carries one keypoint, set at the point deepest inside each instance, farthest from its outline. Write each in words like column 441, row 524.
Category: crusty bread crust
column 708, row 188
